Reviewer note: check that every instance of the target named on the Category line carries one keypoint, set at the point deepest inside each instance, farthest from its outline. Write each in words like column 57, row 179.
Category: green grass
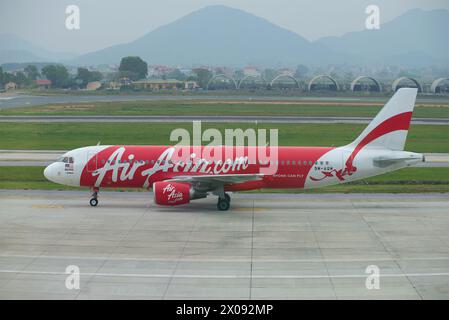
column 133, row 108
column 402, row 181
column 65, row 136
column 350, row 188
column 412, row 176
column 26, row 178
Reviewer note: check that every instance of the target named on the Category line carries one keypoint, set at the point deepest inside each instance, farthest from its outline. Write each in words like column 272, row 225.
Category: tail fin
column 388, row 130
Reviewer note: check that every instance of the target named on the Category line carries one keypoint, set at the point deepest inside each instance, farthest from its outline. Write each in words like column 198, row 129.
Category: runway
column 234, row 119
column 21, row 158
column 22, row 100
column 266, row 247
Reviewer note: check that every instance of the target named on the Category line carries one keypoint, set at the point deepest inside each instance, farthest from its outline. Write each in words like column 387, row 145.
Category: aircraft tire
column 223, row 204
column 93, row 202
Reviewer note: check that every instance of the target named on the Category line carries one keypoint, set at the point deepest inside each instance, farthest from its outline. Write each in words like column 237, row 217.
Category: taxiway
column 268, row 246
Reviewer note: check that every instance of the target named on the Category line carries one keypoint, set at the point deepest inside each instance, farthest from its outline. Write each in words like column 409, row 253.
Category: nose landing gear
column 94, row 200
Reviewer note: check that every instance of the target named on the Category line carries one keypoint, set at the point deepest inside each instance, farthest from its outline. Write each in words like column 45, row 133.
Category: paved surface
column 12, row 158
column 239, row 119
column 27, row 158
column 14, row 101
column 267, row 246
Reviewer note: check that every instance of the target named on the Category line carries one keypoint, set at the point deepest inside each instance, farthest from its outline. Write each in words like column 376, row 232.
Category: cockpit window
column 65, row 159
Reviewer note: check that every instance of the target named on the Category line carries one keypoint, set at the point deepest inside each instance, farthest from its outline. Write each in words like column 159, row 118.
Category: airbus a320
column 177, row 181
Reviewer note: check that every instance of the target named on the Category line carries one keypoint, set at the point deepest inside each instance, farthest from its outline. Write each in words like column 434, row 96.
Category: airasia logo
column 171, row 193
column 124, row 170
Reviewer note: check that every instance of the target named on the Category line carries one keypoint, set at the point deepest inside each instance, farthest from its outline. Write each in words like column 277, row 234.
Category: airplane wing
column 210, row 182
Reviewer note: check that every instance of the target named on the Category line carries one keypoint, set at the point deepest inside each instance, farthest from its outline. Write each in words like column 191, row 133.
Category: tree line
column 57, row 74
column 131, row 67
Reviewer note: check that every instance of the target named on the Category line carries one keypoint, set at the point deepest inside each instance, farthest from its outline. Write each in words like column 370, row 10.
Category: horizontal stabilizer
column 395, row 157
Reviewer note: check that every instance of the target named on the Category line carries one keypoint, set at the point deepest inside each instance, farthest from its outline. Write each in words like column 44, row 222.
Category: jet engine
column 175, row 193
column 171, row 193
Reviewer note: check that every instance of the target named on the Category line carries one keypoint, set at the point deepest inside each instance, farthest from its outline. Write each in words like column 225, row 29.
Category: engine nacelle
column 171, row 193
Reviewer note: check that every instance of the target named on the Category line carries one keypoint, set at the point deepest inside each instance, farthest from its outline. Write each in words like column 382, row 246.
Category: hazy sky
column 108, row 22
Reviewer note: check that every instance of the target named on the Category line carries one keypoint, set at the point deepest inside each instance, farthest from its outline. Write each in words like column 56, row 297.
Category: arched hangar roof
column 394, row 85
column 323, row 76
column 285, row 76
column 221, row 75
column 436, row 83
column 356, row 80
column 251, row 77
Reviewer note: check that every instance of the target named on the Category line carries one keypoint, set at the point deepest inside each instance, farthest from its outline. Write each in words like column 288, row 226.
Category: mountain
column 17, row 50
column 218, row 35
column 416, row 38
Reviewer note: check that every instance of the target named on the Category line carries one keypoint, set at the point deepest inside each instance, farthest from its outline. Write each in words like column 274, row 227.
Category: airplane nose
column 48, row 172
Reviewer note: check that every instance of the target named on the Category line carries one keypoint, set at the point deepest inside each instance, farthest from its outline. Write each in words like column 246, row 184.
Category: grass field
column 62, row 136
column 402, row 181
column 167, row 108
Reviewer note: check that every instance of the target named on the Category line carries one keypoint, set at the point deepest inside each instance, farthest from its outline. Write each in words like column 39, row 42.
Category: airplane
column 377, row 150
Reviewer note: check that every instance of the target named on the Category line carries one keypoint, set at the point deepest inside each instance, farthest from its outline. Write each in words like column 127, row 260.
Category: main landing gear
column 94, row 200
column 224, row 203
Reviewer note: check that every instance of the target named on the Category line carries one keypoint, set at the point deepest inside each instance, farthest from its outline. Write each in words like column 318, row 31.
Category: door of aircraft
column 92, row 159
